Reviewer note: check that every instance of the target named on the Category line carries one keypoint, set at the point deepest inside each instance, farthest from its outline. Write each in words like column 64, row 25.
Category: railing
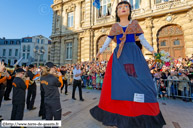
column 177, row 88
column 169, row 4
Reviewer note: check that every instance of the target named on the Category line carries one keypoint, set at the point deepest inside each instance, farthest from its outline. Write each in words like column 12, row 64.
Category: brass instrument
column 7, row 69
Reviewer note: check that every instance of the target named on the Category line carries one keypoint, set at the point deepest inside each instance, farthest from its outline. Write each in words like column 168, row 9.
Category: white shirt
column 75, row 72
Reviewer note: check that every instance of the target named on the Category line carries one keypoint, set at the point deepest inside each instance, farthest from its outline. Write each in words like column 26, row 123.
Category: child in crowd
column 93, row 80
column 163, row 92
column 191, row 87
column 98, row 80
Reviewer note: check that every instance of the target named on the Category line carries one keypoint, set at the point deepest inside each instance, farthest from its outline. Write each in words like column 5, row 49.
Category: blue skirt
column 131, row 75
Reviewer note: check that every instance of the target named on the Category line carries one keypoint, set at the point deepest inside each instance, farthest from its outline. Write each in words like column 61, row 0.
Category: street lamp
column 39, row 52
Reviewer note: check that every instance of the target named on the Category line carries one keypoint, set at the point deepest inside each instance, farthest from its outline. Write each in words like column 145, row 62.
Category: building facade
column 35, row 50
column 10, row 50
column 32, row 50
column 79, row 29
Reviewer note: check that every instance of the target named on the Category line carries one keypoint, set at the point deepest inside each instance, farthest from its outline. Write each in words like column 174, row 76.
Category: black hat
column 31, row 66
column 5, row 64
column 17, row 66
column 50, row 64
column 19, row 70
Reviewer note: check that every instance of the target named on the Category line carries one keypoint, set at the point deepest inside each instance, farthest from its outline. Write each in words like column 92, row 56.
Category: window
column 42, row 41
column 17, row 42
column 27, row 55
column 9, row 62
column 134, row 3
column 15, row 61
column 11, row 42
column 16, row 52
column 105, row 9
column 23, row 55
column 161, row 1
column 69, row 51
column 10, row 52
column 5, row 42
column 70, row 19
column 48, row 57
column 176, row 42
column 38, row 41
column 83, row 11
column 4, row 52
column 24, row 48
column 41, row 57
column 28, row 48
column 163, row 43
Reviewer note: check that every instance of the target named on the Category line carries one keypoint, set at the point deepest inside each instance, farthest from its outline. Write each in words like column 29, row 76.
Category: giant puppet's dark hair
column 122, row 2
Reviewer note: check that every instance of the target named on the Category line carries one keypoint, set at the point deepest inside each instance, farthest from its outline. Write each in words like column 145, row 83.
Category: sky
column 22, row 18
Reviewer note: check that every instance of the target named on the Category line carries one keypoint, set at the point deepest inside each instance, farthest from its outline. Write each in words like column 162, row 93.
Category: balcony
column 170, row 4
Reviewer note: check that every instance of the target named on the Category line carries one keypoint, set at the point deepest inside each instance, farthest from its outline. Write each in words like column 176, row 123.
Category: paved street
column 75, row 114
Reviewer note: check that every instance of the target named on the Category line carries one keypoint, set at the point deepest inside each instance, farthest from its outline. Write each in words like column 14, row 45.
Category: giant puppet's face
column 123, row 10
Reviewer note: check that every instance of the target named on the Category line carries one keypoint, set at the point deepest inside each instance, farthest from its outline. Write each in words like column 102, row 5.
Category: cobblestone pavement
column 75, row 114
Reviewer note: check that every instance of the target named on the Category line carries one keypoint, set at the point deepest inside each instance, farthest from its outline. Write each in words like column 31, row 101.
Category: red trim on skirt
column 125, row 108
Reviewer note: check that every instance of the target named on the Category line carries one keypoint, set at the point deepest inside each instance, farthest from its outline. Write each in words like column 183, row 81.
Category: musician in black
column 31, row 95
column 50, row 84
column 4, row 75
column 9, row 83
column 18, row 100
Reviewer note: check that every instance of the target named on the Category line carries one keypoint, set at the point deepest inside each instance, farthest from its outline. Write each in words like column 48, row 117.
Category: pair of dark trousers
column 53, row 111
column 77, row 83
column 8, row 90
column 17, row 111
column 66, row 86
column 2, row 92
column 42, row 111
column 31, row 95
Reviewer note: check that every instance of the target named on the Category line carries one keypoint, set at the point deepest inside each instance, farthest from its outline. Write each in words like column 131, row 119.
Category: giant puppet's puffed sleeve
column 144, row 42
column 105, row 45
column 111, row 36
column 139, row 33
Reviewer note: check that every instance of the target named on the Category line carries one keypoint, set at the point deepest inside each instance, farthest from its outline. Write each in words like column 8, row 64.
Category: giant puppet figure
column 128, row 97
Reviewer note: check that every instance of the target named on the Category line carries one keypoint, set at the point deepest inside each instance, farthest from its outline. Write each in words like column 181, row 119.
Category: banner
column 96, row 3
column 18, row 61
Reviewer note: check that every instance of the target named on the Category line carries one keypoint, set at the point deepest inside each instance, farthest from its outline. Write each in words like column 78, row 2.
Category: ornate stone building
column 79, row 29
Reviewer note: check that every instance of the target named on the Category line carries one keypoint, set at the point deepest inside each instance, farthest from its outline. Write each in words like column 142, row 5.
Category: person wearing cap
column 31, row 95
column 50, row 84
column 4, row 76
column 20, row 84
column 77, row 73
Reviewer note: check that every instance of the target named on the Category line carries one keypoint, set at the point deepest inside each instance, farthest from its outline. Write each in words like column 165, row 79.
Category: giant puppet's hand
column 98, row 54
column 153, row 52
